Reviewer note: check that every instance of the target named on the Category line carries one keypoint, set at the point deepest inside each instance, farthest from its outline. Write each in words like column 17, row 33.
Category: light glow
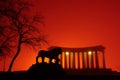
column 39, row 59
column 46, row 60
column 53, row 60
column 67, row 53
column 90, row 52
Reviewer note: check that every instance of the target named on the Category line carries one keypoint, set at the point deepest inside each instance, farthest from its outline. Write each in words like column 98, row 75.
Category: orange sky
column 78, row 23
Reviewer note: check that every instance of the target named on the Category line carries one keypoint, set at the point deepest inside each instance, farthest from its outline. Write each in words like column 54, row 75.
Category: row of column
column 89, row 60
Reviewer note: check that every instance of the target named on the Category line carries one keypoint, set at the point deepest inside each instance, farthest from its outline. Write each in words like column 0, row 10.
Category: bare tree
column 22, row 26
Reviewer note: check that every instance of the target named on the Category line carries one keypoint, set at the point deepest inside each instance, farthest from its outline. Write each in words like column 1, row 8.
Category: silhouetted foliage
column 44, row 71
column 18, row 26
column 51, row 54
column 47, row 71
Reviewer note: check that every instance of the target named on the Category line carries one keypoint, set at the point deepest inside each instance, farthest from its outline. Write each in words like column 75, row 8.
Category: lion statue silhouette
column 52, row 53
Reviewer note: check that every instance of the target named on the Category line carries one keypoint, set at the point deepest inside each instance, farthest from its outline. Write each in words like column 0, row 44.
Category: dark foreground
column 46, row 71
column 24, row 76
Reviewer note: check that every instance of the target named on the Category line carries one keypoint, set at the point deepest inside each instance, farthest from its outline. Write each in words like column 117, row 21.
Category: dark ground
column 44, row 71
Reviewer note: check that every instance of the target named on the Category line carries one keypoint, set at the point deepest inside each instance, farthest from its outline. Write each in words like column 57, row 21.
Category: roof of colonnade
column 84, row 49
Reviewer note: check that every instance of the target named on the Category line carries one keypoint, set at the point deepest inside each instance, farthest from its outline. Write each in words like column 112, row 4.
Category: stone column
column 78, row 59
column 65, row 60
column 87, row 58
column 69, row 60
column 92, row 63
column 103, row 57
column 73, row 60
column 96, row 59
column 83, row 60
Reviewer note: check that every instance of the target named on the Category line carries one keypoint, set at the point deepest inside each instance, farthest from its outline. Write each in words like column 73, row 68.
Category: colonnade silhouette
column 83, row 58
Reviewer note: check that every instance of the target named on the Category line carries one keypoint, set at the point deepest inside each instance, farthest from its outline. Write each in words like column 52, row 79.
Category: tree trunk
column 17, row 53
